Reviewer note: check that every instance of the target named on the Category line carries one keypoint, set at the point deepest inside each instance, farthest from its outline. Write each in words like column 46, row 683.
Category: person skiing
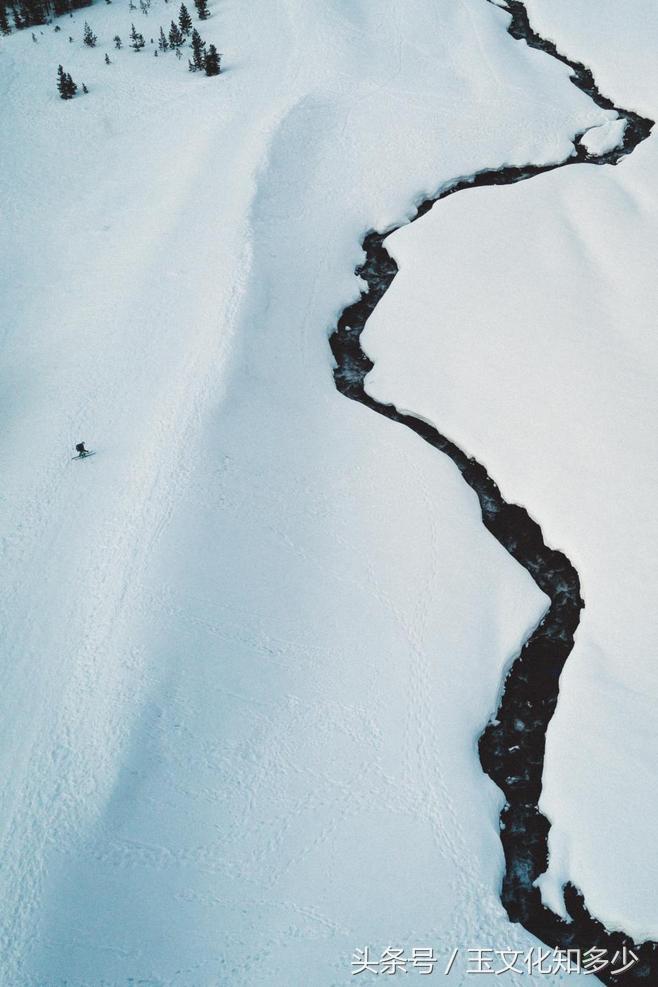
column 80, row 449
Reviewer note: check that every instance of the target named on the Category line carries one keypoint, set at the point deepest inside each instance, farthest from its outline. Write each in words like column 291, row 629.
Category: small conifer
column 184, row 20
column 212, row 63
column 89, row 37
column 198, row 52
column 66, row 87
column 176, row 38
column 136, row 39
column 202, row 9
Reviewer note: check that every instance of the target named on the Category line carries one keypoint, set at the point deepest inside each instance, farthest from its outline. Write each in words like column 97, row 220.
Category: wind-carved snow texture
column 513, row 743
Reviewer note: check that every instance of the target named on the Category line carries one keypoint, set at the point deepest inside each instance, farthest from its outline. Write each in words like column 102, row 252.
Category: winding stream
column 512, row 745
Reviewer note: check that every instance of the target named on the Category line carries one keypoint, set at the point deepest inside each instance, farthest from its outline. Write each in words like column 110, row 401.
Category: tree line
column 29, row 13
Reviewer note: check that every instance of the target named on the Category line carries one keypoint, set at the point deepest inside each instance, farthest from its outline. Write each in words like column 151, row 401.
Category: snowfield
column 552, row 385
column 250, row 645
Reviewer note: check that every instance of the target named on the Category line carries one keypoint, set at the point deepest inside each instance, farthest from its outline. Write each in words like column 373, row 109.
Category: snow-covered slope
column 250, row 645
column 528, row 317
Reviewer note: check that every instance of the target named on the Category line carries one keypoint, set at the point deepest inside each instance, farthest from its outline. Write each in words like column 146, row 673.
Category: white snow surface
column 600, row 140
column 522, row 323
column 249, row 646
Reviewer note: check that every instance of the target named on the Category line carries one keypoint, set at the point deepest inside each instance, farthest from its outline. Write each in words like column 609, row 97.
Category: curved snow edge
column 512, row 745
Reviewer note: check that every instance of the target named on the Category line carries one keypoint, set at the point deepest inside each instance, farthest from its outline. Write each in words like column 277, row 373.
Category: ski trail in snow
column 512, row 745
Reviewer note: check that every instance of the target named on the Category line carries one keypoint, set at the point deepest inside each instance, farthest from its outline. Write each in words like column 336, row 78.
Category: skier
column 80, row 449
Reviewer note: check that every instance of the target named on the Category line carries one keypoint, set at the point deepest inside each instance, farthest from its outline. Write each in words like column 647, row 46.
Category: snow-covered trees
column 66, row 87
column 184, row 20
column 202, row 9
column 31, row 12
column 163, row 44
column 27, row 13
column 118, row 43
column 212, row 63
column 4, row 23
column 136, row 39
column 88, row 37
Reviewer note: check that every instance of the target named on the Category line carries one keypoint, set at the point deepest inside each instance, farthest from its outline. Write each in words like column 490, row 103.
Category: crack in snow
column 512, row 745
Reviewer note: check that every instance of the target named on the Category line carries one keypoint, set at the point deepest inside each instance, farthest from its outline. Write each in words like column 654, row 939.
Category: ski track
column 512, row 745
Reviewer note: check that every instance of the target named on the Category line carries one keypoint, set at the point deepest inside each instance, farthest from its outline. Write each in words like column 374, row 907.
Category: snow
column 250, row 645
column 600, row 140
column 617, row 44
column 528, row 336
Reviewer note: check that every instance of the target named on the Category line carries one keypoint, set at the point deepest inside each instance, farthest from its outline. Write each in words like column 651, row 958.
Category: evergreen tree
column 212, row 64
column 84, row 88
column 117, row 42
column 163, row 44
column 202, row 9
column 136, row 39
column 176, row 38
column 184, row 20
column 107, row 59
column 89, row 37
column 4, row 23
column 198, row 52
column 66, row 87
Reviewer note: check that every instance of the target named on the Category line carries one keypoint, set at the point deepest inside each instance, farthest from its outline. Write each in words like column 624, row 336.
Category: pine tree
column 84, row 88
column 198, row 52
column 107, row 59
column 184, row 20
column 202, row 9
column 136, row 39
column 66, row 87
column 117, row 41
column 89, row 37
column 176, row 38
column 212, row 63
column 163, row 44
column 4, row 23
